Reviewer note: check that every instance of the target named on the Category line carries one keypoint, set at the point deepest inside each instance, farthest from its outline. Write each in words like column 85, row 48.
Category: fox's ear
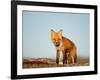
column 52, row 30
column 52, row 33
column 60, row 34
column 61, row 30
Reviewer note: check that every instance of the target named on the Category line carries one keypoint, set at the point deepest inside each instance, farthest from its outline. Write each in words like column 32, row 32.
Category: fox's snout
column 57, row 44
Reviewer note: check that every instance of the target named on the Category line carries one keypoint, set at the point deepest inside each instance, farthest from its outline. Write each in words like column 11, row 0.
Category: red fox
column 65, row 45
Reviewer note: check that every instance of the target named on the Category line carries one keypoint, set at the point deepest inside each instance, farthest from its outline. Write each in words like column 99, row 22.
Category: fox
column 64, row 45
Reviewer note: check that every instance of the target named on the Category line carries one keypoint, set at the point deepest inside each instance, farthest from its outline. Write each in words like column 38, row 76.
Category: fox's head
column 56, row 37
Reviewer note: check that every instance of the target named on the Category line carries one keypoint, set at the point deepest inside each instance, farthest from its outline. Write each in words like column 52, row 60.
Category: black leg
column 57, row 56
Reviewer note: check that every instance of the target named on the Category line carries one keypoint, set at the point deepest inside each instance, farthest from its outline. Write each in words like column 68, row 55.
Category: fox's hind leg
column 75, row 58
column 69, row 60
column 73, row 55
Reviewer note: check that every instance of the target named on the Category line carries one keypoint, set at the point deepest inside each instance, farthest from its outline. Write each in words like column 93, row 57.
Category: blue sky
column 36, row 28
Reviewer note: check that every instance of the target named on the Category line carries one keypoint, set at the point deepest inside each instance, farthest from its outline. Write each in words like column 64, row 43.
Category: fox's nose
column 57, row 44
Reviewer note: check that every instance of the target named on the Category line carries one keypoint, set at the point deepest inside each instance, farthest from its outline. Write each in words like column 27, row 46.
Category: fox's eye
column 53, row 39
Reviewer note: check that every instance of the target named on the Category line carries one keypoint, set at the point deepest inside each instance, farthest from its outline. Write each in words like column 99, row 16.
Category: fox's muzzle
column 57, row 44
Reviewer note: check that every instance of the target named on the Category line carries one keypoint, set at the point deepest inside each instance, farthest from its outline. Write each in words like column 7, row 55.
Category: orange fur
column 65, row 45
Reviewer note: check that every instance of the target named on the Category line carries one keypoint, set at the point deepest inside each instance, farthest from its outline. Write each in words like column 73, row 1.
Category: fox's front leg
column 64, row 56
column 57, row 56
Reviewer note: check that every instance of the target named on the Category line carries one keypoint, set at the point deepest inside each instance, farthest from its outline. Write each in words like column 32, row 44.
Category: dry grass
column 46, row 62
